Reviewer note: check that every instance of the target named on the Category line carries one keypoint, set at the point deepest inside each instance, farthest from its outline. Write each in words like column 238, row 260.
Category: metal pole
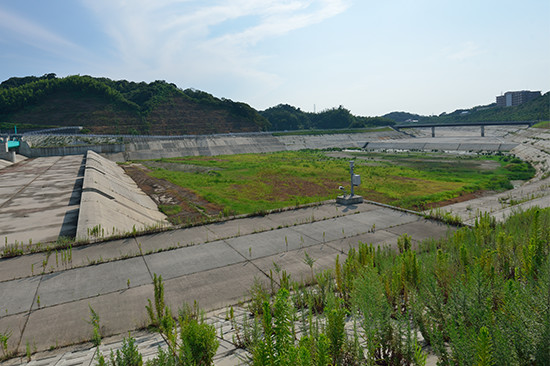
column 351, row 177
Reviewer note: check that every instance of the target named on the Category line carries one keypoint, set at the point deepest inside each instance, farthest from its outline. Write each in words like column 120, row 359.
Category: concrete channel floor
column 215, row 264
column 40, row 199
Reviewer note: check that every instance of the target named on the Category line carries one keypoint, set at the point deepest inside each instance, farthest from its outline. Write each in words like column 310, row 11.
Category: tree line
column 286, row 117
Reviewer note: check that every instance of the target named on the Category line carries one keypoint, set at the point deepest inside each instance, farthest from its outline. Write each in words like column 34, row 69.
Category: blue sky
column 372, row 57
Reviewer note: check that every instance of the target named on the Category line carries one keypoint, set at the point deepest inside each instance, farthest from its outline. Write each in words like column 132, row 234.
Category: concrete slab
column 237, row 227
column 310, row 214
column 21, row 266
column 193, row 259
column 332, row 229
column 176, row 238
column 293, row 262
column 69, row 323
column 77, row 284
column 46, row 192
column 383, row 218
column 423, row 230
column 13, row 325
column 270, row 242
column 379, row 237
column 105, row 251
column 213, row 289
column 18, row 295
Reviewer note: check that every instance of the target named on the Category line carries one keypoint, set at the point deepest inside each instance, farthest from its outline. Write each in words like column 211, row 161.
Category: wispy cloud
column 193, row 37
column 464, row 51
column 30, row 33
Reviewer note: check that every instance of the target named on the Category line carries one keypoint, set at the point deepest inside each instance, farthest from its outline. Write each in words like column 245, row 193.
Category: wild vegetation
column 249, row 183
column 481, row 296
column 544, row 125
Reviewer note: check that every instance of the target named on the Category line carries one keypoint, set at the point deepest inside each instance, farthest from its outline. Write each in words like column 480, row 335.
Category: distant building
column 513, row 98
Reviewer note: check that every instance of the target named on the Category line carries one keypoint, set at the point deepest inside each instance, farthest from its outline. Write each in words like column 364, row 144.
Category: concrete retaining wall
column 199, row 145
column 338, row 140
column 243, row 144
column 112, row 203
column 33, row 152
column 440, row 146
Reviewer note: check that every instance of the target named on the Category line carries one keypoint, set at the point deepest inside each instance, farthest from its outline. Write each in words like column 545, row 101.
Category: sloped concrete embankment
column 350, row 140
column 28, row 150
column 112, row 203
column 243, row 144
column 422, row 144
column 200, row 145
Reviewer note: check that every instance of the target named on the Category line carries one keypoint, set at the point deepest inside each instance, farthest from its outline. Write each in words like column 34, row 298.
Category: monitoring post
column 355, row 180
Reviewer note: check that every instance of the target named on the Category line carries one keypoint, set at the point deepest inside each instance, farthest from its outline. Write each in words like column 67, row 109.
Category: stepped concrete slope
column 112, row 203
column 243, row 144
column 452, row 139
column 532, row 145
column 40, row 199
column 340, row 140
column 214, row 264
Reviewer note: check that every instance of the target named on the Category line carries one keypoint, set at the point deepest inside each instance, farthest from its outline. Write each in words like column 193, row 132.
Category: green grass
column 251, row 183
column 544, row 124
column 170, row 209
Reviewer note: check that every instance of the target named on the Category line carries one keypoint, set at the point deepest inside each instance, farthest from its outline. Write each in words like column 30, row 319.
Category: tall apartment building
column 513, row 98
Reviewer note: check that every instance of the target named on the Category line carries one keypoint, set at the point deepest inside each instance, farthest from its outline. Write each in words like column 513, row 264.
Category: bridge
column 463, row 124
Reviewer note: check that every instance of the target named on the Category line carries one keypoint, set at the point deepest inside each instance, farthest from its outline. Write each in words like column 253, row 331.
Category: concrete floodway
column 40, row 199
column 45, row 299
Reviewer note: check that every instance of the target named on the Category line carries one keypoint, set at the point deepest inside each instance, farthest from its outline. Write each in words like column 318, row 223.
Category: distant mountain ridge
column 537, row 109
column 106, row 106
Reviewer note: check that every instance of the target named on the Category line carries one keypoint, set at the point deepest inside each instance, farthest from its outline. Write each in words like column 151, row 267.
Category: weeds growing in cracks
column 196, row 343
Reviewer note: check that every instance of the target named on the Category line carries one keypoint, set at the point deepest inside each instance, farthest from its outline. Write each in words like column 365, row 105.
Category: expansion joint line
column 249, row 261
column 30, row 311
column 142, row 255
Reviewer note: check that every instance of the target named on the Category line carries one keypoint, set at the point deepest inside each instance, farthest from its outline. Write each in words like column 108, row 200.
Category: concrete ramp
column 112, row 203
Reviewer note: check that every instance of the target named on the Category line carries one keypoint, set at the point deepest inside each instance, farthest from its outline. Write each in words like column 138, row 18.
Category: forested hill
column 105, row 106
column 535, row 110
column 286, row 117
column 101, row 105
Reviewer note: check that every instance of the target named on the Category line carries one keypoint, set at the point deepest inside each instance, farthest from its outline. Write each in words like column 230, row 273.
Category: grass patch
column 250, row 183
column 544, row 124
column 169, row 210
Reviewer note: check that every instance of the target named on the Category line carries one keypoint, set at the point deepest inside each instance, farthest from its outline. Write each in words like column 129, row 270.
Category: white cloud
column 463, row 52
column 193, row 38
column 32, row 34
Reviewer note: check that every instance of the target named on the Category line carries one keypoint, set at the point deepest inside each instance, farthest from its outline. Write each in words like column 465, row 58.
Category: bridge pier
column 433, row 131
column 482, row 131
column 5, row 152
